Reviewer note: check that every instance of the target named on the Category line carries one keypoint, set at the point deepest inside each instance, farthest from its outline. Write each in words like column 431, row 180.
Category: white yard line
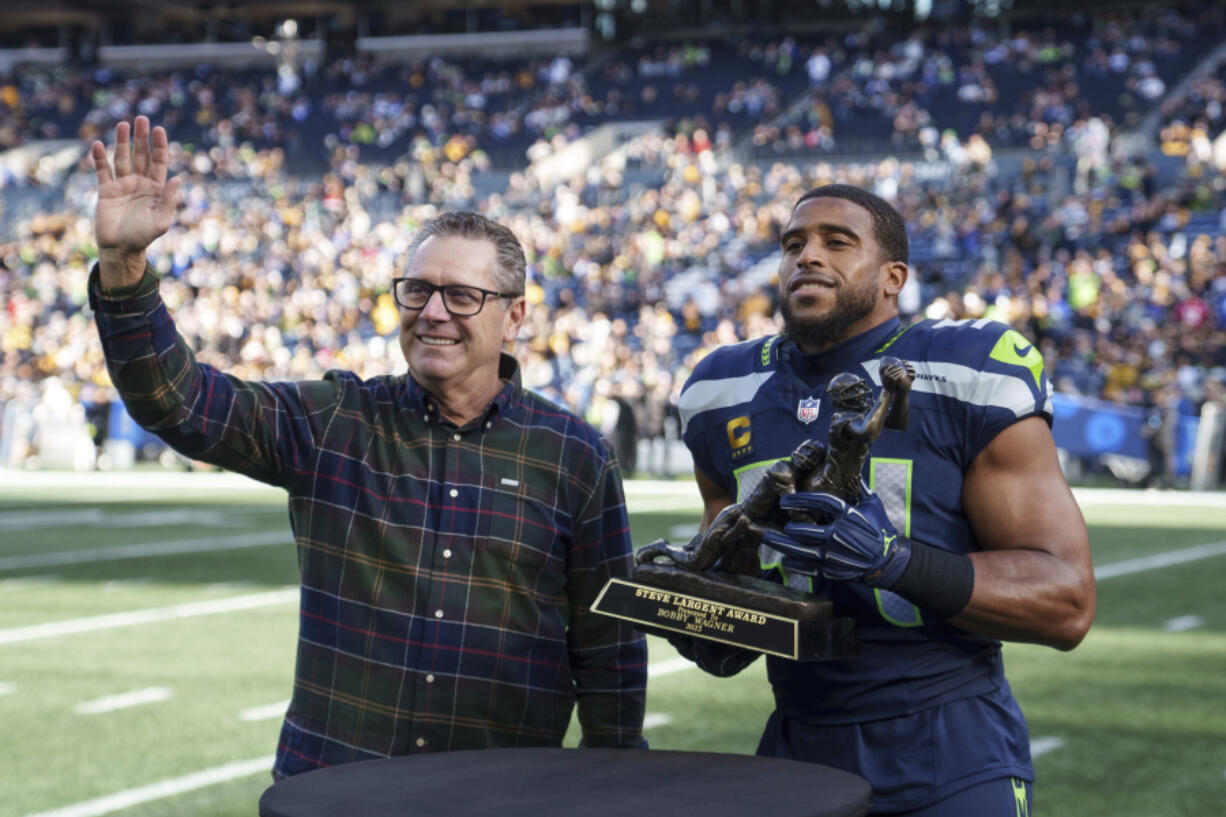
column 1041, row 746
column 149, row 615
column 120, row 585
column 33, row 520
column 1157, row 560
column 659, row 487
column 266, row 712
column 37, row 520
column 123, row 482
column 646, row 496
column 176, row 516
column 168, row 548
column 1182, row 623
column 664, row 504
column 165, row 788
column 26, row 582
column 7, row 687
column 1165, row 499
column 657, row 719
column 228, row 587
column 124, row 700
column 669, row 667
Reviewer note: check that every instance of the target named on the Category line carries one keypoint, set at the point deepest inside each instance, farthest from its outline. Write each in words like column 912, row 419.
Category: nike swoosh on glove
column 853, row 542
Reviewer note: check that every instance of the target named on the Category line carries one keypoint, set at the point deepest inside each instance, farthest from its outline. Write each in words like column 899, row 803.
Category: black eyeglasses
column 458, row 299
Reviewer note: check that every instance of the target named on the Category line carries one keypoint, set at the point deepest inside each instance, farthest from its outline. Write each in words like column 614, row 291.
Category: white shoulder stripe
column 977, row 323
column 717, row 394
column 969, row 385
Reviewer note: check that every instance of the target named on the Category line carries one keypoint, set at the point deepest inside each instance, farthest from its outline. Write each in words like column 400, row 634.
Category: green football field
column 147, row 627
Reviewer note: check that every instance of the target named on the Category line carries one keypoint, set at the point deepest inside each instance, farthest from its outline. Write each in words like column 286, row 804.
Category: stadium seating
column 298, row 206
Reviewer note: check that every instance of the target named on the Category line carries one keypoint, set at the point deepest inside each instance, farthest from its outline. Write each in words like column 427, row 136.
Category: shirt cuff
column 147, row 284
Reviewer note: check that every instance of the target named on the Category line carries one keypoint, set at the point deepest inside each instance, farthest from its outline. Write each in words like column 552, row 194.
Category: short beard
column 819, row 333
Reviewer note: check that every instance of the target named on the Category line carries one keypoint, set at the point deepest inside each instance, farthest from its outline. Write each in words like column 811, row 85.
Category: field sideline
column 147, row 625
column 15, row 483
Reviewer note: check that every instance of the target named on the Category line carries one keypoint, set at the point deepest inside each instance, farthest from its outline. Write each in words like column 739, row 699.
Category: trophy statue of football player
column 730, row 543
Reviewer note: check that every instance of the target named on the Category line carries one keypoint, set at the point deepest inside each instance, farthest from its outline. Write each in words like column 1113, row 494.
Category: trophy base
column 732, row 609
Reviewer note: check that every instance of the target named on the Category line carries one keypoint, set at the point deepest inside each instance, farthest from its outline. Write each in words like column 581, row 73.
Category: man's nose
column 811, row 254
column 434, row 310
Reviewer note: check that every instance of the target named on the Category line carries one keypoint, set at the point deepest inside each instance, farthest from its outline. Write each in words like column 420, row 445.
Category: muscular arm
column 1033, row 579
column 714, row 498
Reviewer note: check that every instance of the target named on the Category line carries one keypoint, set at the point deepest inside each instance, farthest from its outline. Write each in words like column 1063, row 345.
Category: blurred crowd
column 638, row 264
column 929, row 89
column 1026, row 86
column 275, row 279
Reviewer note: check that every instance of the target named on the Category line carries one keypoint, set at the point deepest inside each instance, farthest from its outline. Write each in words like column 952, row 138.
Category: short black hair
column 888, row 226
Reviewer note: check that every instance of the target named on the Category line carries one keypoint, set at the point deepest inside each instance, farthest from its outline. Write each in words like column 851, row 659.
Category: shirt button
column 438, row 613
column 489, row 424
column 447, row 553
column 454, row 492
column 429, row 679
column 456, row 437
column 421, row 742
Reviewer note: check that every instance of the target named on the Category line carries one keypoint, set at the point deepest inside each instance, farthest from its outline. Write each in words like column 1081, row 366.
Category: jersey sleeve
column 1011, row 385
column 696, row 406
column 717, row 396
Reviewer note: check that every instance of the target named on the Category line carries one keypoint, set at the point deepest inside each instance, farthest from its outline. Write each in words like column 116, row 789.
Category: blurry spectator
column 1161, row 438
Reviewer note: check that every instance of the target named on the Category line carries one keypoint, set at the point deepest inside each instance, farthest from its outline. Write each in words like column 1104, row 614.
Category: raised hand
column 136, row 204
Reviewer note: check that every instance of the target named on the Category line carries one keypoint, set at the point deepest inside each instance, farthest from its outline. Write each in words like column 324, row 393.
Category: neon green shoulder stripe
column 766, row 349
column 890, row 341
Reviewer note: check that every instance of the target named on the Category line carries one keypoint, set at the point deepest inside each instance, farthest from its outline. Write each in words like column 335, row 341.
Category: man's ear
column 895, row 278
column 514, row 319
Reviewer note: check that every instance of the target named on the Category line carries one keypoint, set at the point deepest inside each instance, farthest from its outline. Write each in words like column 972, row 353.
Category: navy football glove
column 853, row 543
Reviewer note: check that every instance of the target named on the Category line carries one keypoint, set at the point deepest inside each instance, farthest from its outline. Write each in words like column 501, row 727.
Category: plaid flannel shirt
column 446, row 573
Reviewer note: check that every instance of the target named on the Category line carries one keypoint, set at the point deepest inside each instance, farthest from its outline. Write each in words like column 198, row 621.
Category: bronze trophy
column 710, row 588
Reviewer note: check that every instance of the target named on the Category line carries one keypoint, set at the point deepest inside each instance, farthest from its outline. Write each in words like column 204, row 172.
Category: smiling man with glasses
column 453, row 342
column 452, row 529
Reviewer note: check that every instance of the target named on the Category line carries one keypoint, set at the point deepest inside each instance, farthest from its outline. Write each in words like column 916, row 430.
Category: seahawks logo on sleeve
column 1014, row 350
column 977, row 362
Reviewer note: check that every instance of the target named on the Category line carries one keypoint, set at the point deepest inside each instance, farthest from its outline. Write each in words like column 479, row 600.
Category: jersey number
column 890, row 479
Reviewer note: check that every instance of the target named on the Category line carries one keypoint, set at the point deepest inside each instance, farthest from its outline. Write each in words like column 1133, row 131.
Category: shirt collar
column 844, row 356
column 415, row 397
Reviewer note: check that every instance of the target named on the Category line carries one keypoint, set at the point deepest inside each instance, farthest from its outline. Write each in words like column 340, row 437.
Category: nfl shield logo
column 806, row 409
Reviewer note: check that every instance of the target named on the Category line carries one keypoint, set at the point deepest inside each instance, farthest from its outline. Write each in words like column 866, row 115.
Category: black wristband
column 937, row 580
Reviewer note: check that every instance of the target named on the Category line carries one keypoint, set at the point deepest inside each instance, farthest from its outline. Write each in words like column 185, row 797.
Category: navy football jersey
column 749, row 405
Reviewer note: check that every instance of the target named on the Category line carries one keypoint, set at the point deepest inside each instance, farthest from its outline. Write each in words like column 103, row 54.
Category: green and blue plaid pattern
column 447, row 573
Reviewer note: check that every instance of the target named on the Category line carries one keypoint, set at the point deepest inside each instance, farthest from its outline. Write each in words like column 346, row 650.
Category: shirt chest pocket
column 523, row 534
